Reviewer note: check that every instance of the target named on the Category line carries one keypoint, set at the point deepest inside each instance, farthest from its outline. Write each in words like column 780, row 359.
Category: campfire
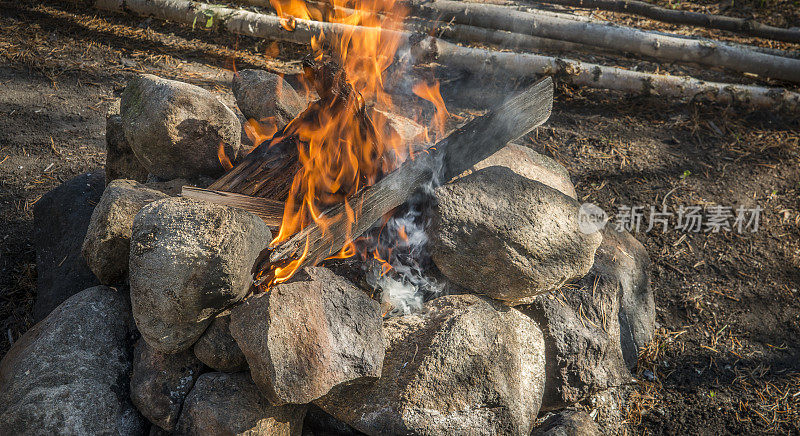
column 353, row 256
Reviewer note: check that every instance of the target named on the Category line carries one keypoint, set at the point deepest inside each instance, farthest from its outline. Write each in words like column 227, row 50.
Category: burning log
column 270, row 211
column 451, row 156
column 473, row 59
column 731, row 24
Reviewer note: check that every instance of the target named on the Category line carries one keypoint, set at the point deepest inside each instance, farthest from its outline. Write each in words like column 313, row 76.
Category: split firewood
column 270, row 211
column 451, row 156
column 616, row 38
column 736, row 25
column 518, row 66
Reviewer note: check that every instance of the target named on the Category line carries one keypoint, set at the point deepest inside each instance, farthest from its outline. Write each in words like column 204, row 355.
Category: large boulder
column 189, row 261
column 230, row 404
column 121, row 163
column 501, row 234
column 261, row 94
column 161, row 382
column 582, row 335
column 60, row 220
column 302, row 339
column 532, row 165
column 69, row 373
column 217, row 348
column 107, row 245
column 177, row 129
column 466, row 365
column 624, row 260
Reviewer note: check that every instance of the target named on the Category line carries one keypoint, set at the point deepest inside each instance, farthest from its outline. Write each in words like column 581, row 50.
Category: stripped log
column 459, row 151
column 731, row 24
column 612, row 37
column 472, row 59
column 270, row 211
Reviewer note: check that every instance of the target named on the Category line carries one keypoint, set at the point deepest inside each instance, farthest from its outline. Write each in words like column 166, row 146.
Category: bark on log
column 617, row 38
column 736, row 25
column 477, row 60
column 451, row 156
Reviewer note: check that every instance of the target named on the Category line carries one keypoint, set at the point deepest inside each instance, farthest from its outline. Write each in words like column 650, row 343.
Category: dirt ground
column 726, row 358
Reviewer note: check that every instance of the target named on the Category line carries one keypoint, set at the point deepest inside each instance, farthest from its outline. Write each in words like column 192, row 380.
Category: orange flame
column 223, row 158
column 339, row 152
column 432, row 94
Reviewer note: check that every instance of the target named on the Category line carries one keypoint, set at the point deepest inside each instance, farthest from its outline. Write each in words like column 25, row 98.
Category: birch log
column 612, row 37
column 736, row 25
column 476, row 60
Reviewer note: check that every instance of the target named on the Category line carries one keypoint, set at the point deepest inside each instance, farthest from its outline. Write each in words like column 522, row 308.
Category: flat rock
column 60, row 220
column 568, row 423
column 176, row 129
column 230, row 404
column 582, row 335
column 466, row 365
column 121, row 163
column 217, row 348
column 501, row 234
column 189, row 261
column 531, row 165
column 623, row 259
column 261, row 94
column 68, row 374
column 302, row 339
column 107, row 245
column 161, row 382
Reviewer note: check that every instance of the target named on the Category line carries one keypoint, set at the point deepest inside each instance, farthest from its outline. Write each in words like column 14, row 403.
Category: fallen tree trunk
column 451, row 156
column 612, row 37
column 736, row 25
column 472, row 59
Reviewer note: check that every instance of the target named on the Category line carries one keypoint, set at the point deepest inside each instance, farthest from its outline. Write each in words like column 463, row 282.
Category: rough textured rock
column 341, row 340
column 582, row 338
column 189, row 261
column 261, row 94
column 230, row 404
column 319, row 423
column 217, row 348
column 176, row 129
column 69, row 373
column 511, row 238
column 121, row 163
column 568, row 423
column 108, row 240
column 60, row 220
column 160, row 383
column 623, row 259
column 466, row 365
column 532, row 165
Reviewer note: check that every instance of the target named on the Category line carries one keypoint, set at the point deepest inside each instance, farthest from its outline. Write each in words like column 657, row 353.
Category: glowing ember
column 343, row 146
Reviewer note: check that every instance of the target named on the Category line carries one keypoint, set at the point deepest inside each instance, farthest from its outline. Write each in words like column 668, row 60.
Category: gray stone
column 568, row 423
column 466, row 365
column 582, row 338
column 230, row 404
column 121, row 163
column 500, row 234
column 161, row 382
column 302, row 339
column 176, row 129
column 60, row 220
column 261, row 94
column 624, row 259
column 189, row 261
column 108, row 240
column 217, row 348
column 69, row 373
column 532, row 165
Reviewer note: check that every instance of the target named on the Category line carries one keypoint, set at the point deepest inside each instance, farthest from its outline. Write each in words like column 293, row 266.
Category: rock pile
column 548, row 316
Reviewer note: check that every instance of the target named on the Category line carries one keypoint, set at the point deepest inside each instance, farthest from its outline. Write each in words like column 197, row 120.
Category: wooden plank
column 271, row 211
column 459, row 151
